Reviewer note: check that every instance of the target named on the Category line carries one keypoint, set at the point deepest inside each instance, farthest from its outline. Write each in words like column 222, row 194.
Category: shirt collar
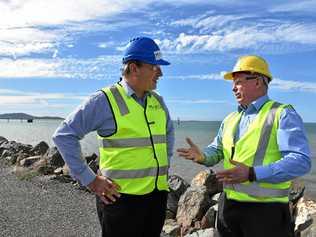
column 129, row 91
column 255, row 105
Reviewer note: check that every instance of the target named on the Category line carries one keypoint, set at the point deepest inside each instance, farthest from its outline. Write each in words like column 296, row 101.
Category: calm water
column 201, row 133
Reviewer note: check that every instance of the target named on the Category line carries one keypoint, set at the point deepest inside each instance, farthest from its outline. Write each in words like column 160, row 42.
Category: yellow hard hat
column 250, row 63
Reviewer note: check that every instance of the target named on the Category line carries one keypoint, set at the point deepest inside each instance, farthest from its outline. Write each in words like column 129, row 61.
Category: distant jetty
column 23, row 116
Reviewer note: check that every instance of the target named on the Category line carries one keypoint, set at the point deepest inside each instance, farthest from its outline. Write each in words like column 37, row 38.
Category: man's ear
column 132, row 67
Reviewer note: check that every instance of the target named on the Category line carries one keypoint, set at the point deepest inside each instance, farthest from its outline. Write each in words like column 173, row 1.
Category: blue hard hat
column 145, row 50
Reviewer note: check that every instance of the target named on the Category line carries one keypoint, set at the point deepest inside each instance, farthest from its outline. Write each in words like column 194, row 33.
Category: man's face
column 148, row 76
column 245, row 87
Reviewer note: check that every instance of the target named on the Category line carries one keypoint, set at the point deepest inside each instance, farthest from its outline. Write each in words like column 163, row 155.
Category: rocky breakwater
column 27, row 161
column 192, row 209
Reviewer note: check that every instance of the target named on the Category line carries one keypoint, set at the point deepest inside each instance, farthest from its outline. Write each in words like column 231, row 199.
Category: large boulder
column 40, row 149
column 192, row 206
column 211, row 232
column 171, row 228
column 54, row 158
column 2, row 140
column 177, row 187
column 304, row 217
column 29, row 161
column 208, row 179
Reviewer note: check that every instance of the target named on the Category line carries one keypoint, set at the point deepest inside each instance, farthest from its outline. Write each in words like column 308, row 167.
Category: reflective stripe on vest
column 119, row 100
column 254, row 189
column 132, row 142
column 130, row 174
column 265, row 135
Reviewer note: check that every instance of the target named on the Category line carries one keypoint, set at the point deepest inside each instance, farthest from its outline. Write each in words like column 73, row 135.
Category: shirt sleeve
column 294, row 148
column 213, row 153
column 93, row 114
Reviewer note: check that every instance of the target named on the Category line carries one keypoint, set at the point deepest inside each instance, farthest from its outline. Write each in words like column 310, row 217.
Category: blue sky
column 53, row 54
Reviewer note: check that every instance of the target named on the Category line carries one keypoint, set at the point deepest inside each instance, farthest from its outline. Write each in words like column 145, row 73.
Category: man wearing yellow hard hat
column 263, row 146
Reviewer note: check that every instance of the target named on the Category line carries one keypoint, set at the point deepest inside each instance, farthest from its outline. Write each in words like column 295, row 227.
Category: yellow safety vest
column 135, row 156
column 258, row 146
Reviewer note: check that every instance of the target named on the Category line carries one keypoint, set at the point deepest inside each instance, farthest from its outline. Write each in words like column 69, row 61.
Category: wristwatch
column 251, row 174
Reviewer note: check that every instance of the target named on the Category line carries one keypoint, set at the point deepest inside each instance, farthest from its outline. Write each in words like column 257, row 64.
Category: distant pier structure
column 29, row 120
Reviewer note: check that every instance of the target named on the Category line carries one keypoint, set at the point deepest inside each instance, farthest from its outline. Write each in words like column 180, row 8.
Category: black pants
column 248, row 219
column 133, row 215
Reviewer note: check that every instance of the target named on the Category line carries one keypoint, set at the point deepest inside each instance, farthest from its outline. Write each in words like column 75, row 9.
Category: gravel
column 44, row 207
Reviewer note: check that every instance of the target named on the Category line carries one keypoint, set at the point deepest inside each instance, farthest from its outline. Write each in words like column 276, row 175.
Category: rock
column 209, row 219
column 94, row 165
column 6, row 153
column 303, row 217
column 171, row 228
column 177, row 187
column 204, row 233
column 193, row 204
column 208, row 179
column 29, row 161
column 66, row 171
column 58, row 170
column 42, row 166
column 14, row 148
column 54, row 158
column 2, row 140
column 91, row 158
column 40, row 149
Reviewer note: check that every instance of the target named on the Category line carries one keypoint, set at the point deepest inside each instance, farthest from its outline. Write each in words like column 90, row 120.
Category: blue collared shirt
column 94, row 115
column 291, row 139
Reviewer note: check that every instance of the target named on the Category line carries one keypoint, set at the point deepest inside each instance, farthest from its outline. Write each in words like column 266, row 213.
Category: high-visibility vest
column 135, row 155
column 258, row 146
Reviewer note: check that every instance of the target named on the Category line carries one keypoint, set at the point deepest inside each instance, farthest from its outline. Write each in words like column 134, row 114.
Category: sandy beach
column 43, row 207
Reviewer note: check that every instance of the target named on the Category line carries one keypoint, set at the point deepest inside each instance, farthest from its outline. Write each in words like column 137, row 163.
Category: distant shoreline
column 24, row 116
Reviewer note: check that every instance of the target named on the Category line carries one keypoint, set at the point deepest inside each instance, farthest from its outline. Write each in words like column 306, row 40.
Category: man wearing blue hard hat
column 136, row 139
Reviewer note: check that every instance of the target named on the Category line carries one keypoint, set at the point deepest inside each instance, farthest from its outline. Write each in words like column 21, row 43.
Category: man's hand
column 192, row 153
column 238, row 174
column 106, row 189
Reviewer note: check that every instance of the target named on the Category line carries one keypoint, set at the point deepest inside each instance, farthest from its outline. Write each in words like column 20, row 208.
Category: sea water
column 201, row 132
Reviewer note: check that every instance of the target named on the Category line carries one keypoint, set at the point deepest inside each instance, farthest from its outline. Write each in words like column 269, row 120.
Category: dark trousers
column 248, row 219
column 133, row 215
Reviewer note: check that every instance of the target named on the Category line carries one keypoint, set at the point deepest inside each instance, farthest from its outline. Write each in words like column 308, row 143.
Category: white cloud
column 297, row 6
column 36, row 26
column 15, row 100
column 95, row 68
column 293, row 85
column 276, row 83
column 207, row 23
column 212, row 76
column 273, row 38
column 24, row 13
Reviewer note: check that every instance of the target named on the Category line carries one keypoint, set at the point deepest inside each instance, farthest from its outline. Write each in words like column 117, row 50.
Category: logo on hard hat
column 157, row 54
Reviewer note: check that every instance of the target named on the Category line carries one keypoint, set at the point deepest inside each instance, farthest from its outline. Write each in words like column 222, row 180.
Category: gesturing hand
column 192, row 153
column 238, row 174
column 105, row 188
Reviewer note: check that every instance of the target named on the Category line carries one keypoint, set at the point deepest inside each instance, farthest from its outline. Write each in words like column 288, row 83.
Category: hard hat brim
column 161, row 62
column 228, row 76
